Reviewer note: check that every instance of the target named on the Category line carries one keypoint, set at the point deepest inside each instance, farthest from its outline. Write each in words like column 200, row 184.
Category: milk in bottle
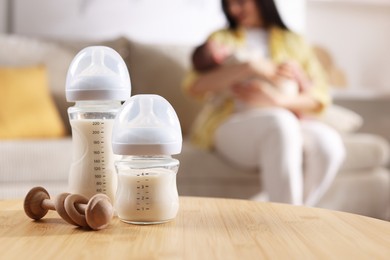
column 97, row 81
column 146, row 133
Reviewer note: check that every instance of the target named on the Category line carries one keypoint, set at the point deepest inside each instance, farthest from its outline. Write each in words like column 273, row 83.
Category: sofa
column 362, row 186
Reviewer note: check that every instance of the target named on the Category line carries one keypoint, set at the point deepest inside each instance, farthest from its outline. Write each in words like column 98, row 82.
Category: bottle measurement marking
column 143, row 197
column 99, row 165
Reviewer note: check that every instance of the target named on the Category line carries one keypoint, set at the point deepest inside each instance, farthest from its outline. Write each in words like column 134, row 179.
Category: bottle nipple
column 146, row 125
column 98, row 73
column 146, row 117
column 97, row 66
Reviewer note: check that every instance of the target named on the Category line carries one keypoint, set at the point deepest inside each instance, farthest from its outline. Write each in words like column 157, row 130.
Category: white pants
column 297, row 159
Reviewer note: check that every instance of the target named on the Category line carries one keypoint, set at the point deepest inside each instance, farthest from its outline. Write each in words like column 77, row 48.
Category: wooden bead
column 99, row 212
column 59, row 202
column 70, row 207
column 33, row 203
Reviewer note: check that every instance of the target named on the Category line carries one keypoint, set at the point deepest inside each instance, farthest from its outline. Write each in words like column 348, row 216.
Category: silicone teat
column 146, row 125
column 98, row 73
column 146, row 116
column 97, row 66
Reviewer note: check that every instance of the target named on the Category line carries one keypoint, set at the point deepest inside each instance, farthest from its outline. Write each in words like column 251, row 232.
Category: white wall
column 3, row 18
column 357, row 32
column 358, row 36
column 176, row 21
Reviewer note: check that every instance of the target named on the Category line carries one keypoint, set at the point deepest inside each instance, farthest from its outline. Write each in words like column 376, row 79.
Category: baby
column 212, row 54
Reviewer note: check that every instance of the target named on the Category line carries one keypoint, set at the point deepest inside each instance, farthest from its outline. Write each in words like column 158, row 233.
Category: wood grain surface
column 205, row 228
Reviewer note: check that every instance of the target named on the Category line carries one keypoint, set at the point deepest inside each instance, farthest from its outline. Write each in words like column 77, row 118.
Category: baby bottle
column 146, row 133
column 97, row 81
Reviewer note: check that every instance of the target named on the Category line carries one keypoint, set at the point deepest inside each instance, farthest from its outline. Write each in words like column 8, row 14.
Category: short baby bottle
column 146, row 133
column 97, row 81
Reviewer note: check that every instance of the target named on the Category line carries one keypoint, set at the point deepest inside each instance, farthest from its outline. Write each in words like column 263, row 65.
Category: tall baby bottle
column 146, row 133
column 97, row 81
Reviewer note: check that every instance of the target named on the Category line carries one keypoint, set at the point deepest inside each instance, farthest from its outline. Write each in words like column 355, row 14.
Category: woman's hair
column 267, row 9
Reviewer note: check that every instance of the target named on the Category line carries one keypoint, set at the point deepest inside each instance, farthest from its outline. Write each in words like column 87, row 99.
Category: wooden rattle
column 74, row 209
column 96, row 214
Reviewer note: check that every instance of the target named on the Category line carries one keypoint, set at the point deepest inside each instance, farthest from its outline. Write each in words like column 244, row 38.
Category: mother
column 297, row 157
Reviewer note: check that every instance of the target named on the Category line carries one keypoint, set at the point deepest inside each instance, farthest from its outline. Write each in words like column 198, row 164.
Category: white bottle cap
column 146, row 125
column 97, row 73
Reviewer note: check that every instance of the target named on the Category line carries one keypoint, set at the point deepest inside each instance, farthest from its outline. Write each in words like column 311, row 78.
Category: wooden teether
column 73, row 208
column 37, row 203
column 96, row 214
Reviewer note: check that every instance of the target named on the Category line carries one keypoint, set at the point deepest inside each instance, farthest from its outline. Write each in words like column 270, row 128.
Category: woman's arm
column 226, row 76
column 286, row 46
column 216, row 80
column 255, row 93
column 303, row 103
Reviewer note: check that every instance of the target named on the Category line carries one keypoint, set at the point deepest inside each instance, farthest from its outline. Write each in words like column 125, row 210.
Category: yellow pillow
column 27, row 109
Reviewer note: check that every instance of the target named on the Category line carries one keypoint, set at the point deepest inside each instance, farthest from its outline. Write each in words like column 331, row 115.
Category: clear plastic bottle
column 146, row 133
column 97, row 82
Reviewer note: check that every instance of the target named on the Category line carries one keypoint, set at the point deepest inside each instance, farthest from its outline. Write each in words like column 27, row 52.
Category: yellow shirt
column 283, row 46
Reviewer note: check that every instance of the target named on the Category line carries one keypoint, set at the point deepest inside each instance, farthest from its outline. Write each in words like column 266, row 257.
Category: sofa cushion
column 204, row 173
column 159, row 69
column 16, row 50
column 365, row 192
column 56, row 55
column 35, row 160
column 19, row 189
column 342, row 119
column 365, row 151
column 27, row 109
column 361, row 191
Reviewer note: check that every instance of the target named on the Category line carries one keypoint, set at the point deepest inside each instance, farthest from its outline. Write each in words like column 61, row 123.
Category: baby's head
column 209, row 56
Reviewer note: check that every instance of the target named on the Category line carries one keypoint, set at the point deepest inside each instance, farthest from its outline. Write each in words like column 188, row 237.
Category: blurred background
column 156, row 39
column 356, row 32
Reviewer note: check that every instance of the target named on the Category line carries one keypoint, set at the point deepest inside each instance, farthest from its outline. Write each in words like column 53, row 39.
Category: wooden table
column 205, row 228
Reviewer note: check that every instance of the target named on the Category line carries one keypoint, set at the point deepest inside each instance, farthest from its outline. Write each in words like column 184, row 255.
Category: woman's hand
column 293, row 71
column 257, row 93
